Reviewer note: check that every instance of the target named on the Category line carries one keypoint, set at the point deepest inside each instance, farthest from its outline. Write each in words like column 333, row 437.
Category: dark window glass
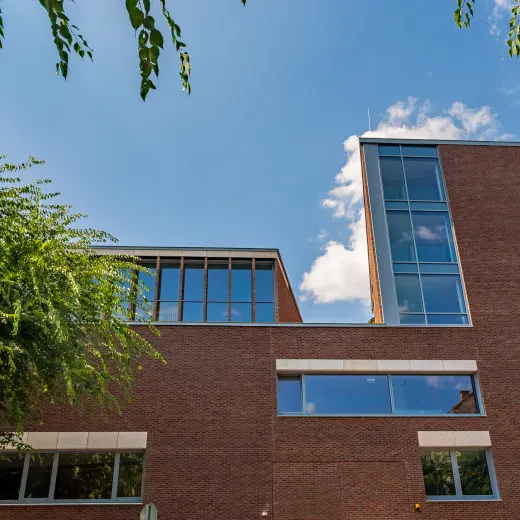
column 447, row 319
column 39, row 475
column 11, row 467
column 289, row 395
column 393, row 178
column 389, row 149
column 440, row 268
column 148, row 289
column 433, row 395
column 394, row 204
column 412, row 319
column 217, row 312
column 130, row 475
column 192, row 311
column 218, row 282
column 443, row 293
column 433, row 237
column 264, row 282
column 474, row 473
column 342, row 394
column 420, row 151
column 168, row 311
column 429, row 206
column 408, row 293
column 84, row 476
column 194, row 282
column 242, row 312
column 438, row 473
column 170, row 281
column 241, row 282
column 423, row 179
column 264, row 313
column 405, row 268
column 401, row 236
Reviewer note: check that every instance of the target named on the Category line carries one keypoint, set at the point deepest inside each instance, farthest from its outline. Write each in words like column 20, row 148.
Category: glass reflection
column 443, row 293
column 401, row 237
column 170, row 281
column 130, row 475
column 393, row 178
column 242, row 312
column 433, row 237
column 192, row 311
column 347, row 394
column 474, row 473
column 408, row 293
column 217, row 312
column 194, row 282
column 289, row 394
column 39, row 475
column 241, row 282
column 218, row 282
column 264, row 282
column 168, row 311
column 423, row 179
column 11, row 467
column 433, row 395
column 264, row 313
column 438, row 473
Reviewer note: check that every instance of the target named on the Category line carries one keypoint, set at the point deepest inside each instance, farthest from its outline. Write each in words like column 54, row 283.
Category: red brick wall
column 217, row 450
column 286, row 309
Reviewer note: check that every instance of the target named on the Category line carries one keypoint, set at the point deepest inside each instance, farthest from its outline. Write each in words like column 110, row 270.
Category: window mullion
column 303, row 396
column 115, row 478
column 25, row 471
column 456, row 474
column 54, row 472
column 391, row 390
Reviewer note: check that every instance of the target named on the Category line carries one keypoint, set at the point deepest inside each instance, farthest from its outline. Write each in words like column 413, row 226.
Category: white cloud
column 510, row 91
column 323, row 234
column 340, row 272
column 431, row 234
column 500, row 8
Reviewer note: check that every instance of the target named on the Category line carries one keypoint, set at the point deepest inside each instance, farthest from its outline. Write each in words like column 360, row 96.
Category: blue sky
column 250, row 158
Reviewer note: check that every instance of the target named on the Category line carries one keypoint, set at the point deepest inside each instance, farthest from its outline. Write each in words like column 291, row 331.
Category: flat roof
column 384, row 140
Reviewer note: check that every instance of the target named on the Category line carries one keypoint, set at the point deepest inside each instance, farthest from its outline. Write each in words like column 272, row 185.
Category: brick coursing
column 217, row 450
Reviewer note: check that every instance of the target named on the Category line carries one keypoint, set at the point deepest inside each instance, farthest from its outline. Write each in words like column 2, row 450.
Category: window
column 169, row 292
column 218, row 292
column 433, row 395
column 145, row 301
column 71, row 477
column 381, row 394
column 421, row 238
column 193, row 299
column 241, row 291
column 459, row 475
column 264, row 292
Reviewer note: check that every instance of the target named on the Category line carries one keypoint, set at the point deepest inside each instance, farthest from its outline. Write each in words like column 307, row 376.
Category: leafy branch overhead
column 150, row 40
column 464, row 13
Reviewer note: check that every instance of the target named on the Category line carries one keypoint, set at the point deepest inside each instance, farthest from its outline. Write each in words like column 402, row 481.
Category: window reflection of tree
column 130, row 475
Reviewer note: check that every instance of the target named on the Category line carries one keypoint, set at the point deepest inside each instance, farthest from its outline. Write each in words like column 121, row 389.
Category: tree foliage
column 150, row 40
column 464, row 13
column 63, row 307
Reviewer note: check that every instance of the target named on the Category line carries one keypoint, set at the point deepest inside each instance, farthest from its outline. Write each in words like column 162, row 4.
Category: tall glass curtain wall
column 229, row 295
column 425, row 264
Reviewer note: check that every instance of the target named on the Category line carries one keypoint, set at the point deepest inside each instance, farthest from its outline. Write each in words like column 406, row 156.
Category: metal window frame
column 54, row 471
column 303, row 413
column 459, row 495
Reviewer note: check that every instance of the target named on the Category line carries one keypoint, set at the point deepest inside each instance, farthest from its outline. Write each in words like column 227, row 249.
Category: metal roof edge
column 384, row 140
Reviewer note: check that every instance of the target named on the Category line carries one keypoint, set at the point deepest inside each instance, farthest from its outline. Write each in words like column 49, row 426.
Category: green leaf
column 156, row 38
column 146, row 4
column 243, row 2
column 89, row 54
column 149, row 22
column 179, row 45
column 154, row 53
column 64, row 31
column 143, row 53
column 136, row 18
column 177, row 30
column 131, row 4
column 143, row 38
column 64, row 69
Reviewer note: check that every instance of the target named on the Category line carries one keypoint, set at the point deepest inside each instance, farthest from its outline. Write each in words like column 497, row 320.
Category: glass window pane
column 289, row 395
column 192, row 311
column 242, row 312
column 264, row 313
column 170, row 281
column 433, row 395
column 389, row 149
column 11, row 467
column 341, row 394
column 39, row 475
column 149, row 282
column 264, row 282
column 395, row 204
column 393, row 178
column 217, row 312
column 433, row 237
column 440, row 268
column 401, row 237
column 443, row 293
column 429, row 206
column 412, row 319
column 423, row 179
column 144, row 311
column 241, row 282
column 194, row 282
column 408, row 293
column 169, row 311
column 218, row 282
column 405, row 268
column 447, row 319
column 130, row 475
column 474, row 473
column 84, row 476
column 438, row 473
column 420, row 151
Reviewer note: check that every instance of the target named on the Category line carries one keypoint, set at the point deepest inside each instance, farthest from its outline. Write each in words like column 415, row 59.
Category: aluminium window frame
column 474, row 379
column 54, row 471
column 459, row 496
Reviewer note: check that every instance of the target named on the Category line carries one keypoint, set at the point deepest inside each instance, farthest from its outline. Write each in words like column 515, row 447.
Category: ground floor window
column 40, row 477
column 459, row 475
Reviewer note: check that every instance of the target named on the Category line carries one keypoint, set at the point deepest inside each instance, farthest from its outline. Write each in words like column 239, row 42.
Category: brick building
column 258, row 415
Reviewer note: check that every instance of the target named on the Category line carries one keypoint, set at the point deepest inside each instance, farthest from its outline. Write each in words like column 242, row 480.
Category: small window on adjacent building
column 459, row 475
